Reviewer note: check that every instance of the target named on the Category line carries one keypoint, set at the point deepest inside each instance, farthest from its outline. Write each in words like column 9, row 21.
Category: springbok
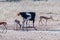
column 18, row 23
column 46, row 18
column 28, row 16
column 4, row 24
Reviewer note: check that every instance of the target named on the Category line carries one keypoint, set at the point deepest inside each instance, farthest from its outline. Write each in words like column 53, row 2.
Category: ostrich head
column 18, row 14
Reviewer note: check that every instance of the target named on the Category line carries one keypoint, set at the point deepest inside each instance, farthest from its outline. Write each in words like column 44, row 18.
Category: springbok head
column 51, row 17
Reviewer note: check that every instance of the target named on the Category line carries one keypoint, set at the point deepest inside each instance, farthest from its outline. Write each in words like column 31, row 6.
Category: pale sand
column 30, row 35
column 8, row 13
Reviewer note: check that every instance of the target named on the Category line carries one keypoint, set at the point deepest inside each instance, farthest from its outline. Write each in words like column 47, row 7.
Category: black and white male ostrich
column 28, row 16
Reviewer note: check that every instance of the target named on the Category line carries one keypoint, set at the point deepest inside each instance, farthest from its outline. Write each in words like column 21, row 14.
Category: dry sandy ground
column 8, row 12
column 30, row 35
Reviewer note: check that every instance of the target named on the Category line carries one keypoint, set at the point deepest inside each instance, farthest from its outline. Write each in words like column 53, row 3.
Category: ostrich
column 28, row 16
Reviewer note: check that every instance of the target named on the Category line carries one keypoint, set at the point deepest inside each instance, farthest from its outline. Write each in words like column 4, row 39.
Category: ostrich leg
column 33, row 25
column 23, row 24
column 26, row 25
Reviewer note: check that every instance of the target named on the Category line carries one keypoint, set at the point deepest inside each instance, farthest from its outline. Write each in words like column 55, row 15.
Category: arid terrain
column 8, row 13
column 31, row 35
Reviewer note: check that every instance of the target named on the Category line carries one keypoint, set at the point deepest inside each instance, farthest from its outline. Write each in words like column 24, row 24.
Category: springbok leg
column 46, row 22
column 5, row 28
column 40, row 21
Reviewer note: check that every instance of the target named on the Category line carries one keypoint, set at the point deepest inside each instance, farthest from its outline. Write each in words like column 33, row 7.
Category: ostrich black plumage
column 28, row 16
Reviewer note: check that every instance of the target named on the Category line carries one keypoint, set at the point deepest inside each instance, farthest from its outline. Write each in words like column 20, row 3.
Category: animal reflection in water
column 4, row 25
column 28, row 16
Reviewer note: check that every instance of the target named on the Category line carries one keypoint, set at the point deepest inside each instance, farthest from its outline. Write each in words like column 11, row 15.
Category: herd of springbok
column 27, row 16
